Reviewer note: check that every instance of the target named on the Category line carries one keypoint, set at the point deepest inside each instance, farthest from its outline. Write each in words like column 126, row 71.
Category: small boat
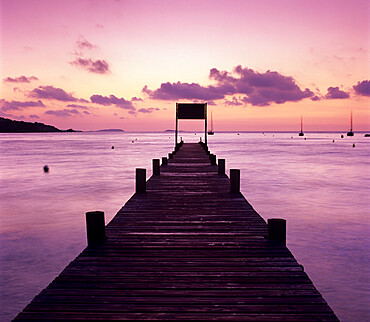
column 367, row 135
column 301, row 133
column 210, row 132
column 350, row 133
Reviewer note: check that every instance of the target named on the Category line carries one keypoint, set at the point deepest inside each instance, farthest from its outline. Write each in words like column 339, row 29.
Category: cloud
column 20, row 79
column 63, row 113
column 176, row 91
column 83, row 107
column 16, row 105
column 93, row 66
column 82, row 44
column 260, row 89
column 148, row 110
column 135, row 99
column 51, row 92
column 362, row 88
column 112, row 100
column 315, row 98
column 336, row 93
column 233, row 102
column 33, row 116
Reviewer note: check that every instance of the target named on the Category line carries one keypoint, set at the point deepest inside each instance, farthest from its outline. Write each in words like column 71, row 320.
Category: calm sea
column 321, row 187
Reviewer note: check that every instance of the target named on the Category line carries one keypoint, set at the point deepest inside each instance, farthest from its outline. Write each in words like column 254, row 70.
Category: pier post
column 170, row 155
column 95, row 228
column 213, row 159
column 164, row 161
column 221, row 166
column 234, row 180
column 156, row 168
column 276, row 230
column 140, row 180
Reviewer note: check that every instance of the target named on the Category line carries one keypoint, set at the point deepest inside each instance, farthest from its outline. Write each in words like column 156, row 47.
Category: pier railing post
column 95, row 228
column 140, row 180
column 213, row 159
column 156, row 168
column 170, row 155
column 234, row 180
column 276, row 230
column 221, row 166
column 164, row 161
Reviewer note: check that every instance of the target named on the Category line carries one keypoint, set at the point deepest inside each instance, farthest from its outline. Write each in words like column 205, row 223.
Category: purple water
column 321, row 187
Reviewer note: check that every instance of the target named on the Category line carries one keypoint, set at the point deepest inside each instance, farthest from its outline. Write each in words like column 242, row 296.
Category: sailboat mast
column 211, row 121
column 351, row 121
column 301, row 123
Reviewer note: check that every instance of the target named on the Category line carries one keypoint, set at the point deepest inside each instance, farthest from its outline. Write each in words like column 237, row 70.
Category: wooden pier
column 183, row 248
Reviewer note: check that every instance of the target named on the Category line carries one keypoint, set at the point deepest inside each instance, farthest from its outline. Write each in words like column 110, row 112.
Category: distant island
column 111, row 130
column 10, row 126
column 177, row 131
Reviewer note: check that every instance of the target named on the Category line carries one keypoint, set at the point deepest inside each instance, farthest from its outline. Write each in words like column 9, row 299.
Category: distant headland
column 10, row 126
column 110, row 130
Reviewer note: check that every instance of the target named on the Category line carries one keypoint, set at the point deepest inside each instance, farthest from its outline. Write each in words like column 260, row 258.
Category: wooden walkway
column 187, row 249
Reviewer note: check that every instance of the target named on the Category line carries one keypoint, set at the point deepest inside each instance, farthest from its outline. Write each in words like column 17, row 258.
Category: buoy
column 305, row 138
column 333, row 140
column 46, row 168
column 353, row 145
column 342, row 136
column 112, row 147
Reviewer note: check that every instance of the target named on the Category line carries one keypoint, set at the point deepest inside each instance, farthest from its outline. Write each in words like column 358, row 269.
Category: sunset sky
column 260, row 65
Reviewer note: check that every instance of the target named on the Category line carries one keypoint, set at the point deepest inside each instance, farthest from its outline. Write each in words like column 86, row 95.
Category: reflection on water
column 319, row 186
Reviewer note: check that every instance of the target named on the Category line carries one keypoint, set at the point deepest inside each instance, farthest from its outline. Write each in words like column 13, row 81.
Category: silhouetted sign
column 191, row 111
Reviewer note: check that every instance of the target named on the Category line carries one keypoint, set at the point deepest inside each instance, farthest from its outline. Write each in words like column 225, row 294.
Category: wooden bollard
column 95, row 228
column 170, row 155
column 164, row 161
column 221, row 166
column 156, row 168
column 276, row 230
column 213, row 159
column 234, row 180
column 140, row 180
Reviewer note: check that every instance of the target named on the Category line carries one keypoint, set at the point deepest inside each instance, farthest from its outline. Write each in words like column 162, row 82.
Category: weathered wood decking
column 187, row 249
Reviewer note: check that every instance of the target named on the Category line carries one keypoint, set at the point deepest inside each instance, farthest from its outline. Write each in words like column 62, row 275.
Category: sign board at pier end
column 191, row 111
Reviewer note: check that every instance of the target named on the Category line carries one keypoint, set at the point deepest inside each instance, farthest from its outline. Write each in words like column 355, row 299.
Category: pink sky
column 92, row 64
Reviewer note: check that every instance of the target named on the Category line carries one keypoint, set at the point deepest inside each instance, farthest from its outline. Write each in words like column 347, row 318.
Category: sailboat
column 350, row 133
column 210, row 132
column 301, row 133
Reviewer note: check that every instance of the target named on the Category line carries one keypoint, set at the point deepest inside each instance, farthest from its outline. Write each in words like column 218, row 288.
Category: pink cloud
column 63, row 113
column 261, row 89
column 33, row 116
column 233, row 102
column 336, row 93
column 51, row 92
column 93, row 66
column 20, row 79
column 16, row 105
column 135, row 99
column 362, row 88
column 112, row 100
column 83, row 107
column 148, row 110
column 82, row 44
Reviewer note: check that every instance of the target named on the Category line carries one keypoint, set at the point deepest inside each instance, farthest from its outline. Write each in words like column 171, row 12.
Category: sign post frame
column 198, row 116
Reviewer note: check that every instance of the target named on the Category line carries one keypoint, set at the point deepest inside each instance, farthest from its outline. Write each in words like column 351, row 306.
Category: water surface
column 319, row 186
